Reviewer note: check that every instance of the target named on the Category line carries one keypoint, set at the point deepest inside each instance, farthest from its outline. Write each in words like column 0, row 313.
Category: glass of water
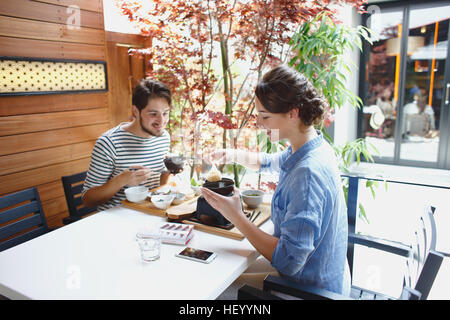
column 149, row 241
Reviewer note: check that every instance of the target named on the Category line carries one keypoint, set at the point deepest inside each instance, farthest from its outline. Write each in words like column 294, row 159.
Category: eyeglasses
column 156, row 114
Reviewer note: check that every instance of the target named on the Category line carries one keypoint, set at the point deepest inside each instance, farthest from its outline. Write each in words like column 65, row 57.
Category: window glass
column 382, row 80
column 424, row 82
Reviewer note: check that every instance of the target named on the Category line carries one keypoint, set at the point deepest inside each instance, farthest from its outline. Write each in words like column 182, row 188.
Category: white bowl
column 136, row 194
column 197, row 190
column 252, row 198
column 179, row 198
column 162, row 201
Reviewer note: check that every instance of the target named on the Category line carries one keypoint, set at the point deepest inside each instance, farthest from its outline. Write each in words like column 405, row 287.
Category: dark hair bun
column 283, row 89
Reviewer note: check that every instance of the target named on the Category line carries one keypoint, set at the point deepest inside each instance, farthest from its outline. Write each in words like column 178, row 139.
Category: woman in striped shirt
column 131, row 153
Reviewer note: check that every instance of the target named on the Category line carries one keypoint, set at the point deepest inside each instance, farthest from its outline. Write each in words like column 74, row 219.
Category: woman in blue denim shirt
column 309, row 214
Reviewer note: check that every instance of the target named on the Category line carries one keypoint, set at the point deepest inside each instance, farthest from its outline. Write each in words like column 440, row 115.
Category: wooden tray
column 234, row 233
column 176, row 212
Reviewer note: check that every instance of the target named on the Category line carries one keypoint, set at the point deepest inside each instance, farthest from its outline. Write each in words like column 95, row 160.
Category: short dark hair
column 283, row 89
column 148, row 89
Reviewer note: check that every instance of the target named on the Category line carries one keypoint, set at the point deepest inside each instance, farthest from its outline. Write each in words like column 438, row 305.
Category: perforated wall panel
column 22, row 76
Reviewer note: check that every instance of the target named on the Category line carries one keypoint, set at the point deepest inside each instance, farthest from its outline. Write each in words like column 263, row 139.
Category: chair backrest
column 73, row 185
column 21, row 218
column 424, row 262
column 428, row 273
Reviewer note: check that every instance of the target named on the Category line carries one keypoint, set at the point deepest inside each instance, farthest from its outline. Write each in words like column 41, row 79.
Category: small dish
column 163, row 190
column 162, row 201
column 136, row 194
column 252, row 198
column 179, row 198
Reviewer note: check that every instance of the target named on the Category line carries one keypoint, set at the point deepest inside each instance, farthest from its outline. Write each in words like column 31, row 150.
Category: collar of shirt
column 301, row 152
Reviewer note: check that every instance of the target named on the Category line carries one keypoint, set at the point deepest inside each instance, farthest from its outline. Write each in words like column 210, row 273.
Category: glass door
column 381, row 82
column 405, row 112
column 424, row 84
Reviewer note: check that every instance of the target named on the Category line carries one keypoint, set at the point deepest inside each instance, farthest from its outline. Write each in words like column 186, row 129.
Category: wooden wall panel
column 119, row 84
column 137, row 69
column 45, row 137
column 19, row 47
column 132, row 69
column 31, row 29
column 51, row 190
column 91, row 5
column 54, row 208
column 33, row 10
column 34, row 177
column 48, row 121
column 44, row 157
column 16, row 105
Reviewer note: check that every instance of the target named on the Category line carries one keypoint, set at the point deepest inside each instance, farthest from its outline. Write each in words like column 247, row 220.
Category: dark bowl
column 174, row 164
column 224, row 187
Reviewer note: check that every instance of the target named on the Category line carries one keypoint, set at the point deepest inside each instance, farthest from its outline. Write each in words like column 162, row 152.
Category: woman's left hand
column 229, row 207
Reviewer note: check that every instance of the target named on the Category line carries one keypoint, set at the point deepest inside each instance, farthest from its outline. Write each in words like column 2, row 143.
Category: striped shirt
column 116, row 150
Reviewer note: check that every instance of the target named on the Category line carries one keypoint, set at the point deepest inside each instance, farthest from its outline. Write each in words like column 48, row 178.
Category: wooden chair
column 73, row 185
column 23, row 219
column 421, row 259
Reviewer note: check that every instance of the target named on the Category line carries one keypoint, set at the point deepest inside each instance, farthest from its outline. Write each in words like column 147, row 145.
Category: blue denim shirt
column 310, row 216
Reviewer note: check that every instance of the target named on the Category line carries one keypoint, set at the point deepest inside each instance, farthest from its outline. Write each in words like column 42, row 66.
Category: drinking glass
column 149, row 241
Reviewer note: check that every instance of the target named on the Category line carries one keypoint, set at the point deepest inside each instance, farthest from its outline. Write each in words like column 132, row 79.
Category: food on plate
column 162, row 201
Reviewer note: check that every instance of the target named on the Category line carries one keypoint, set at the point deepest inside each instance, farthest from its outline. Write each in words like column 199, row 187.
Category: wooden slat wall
column 132, row 69
column 43, row 138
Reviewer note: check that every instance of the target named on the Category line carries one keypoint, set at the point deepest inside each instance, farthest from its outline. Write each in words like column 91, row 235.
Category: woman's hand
column 229, row 207
column 219, row 156
column 251, row 160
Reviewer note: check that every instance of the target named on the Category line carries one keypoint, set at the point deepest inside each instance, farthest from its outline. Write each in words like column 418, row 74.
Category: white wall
column 345, row 127
column 116, row 22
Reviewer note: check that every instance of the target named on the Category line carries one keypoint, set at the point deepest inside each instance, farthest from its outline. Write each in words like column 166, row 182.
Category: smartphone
column 197, row 255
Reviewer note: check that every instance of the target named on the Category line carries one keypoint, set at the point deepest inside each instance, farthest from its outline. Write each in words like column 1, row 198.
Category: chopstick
column 257, row 215
column 251, row 215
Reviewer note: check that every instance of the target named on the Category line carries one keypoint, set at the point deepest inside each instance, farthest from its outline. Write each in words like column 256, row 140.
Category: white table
column 98, row 258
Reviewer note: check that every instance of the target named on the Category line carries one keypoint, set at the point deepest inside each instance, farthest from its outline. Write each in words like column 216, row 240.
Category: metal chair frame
column 73, row 185
column 23, row 218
